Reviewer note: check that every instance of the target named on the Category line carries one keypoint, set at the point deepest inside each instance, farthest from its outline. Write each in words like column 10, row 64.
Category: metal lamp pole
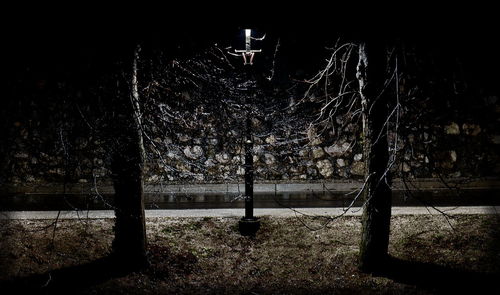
column 248, row 170
column 249, row 224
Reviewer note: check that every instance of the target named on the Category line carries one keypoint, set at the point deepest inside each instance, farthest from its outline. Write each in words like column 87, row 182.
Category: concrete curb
column 230, row 213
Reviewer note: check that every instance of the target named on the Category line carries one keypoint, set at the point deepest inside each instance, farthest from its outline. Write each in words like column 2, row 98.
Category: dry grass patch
column 208, row 255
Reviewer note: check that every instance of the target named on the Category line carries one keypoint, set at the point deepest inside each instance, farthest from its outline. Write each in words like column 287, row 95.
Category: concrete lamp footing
column 249, row 226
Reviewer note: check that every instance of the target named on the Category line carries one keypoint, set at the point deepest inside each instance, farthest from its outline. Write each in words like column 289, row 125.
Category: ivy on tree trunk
column 127, row 162
column 371, row 74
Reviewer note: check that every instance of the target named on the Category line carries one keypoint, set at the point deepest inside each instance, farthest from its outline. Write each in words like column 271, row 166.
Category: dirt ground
column 431, row 255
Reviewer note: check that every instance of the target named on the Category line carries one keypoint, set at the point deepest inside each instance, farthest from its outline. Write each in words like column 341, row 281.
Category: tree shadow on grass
column 440, row 279
column 67, row 280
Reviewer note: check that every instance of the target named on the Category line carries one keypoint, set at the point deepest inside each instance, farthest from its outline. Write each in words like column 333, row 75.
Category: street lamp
column 249, row 224
column 248, row 53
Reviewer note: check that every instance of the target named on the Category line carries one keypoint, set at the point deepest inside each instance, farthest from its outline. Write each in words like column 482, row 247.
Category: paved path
column 281, row 212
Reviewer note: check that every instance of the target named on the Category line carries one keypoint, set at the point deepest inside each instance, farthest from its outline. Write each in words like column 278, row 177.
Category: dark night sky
column 62, row 38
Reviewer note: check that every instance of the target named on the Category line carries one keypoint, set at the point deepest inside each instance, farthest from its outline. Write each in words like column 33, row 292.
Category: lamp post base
column 249, row 226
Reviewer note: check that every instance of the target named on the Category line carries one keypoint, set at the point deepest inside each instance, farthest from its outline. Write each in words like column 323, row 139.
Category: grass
column 209, row 256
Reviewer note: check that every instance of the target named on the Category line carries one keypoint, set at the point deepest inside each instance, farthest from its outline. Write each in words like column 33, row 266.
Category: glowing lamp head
column 248, row 53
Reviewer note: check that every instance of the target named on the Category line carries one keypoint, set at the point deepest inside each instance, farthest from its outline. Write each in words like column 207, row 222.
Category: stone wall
column 194, row 130
column 456, row 149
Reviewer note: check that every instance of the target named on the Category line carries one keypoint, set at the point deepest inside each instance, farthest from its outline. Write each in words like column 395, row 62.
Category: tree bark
column 127, row 163
column 377, row 195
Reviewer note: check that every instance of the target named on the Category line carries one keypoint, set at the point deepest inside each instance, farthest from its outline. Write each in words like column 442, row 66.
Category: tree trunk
column 377, row 195
column 127, row 163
